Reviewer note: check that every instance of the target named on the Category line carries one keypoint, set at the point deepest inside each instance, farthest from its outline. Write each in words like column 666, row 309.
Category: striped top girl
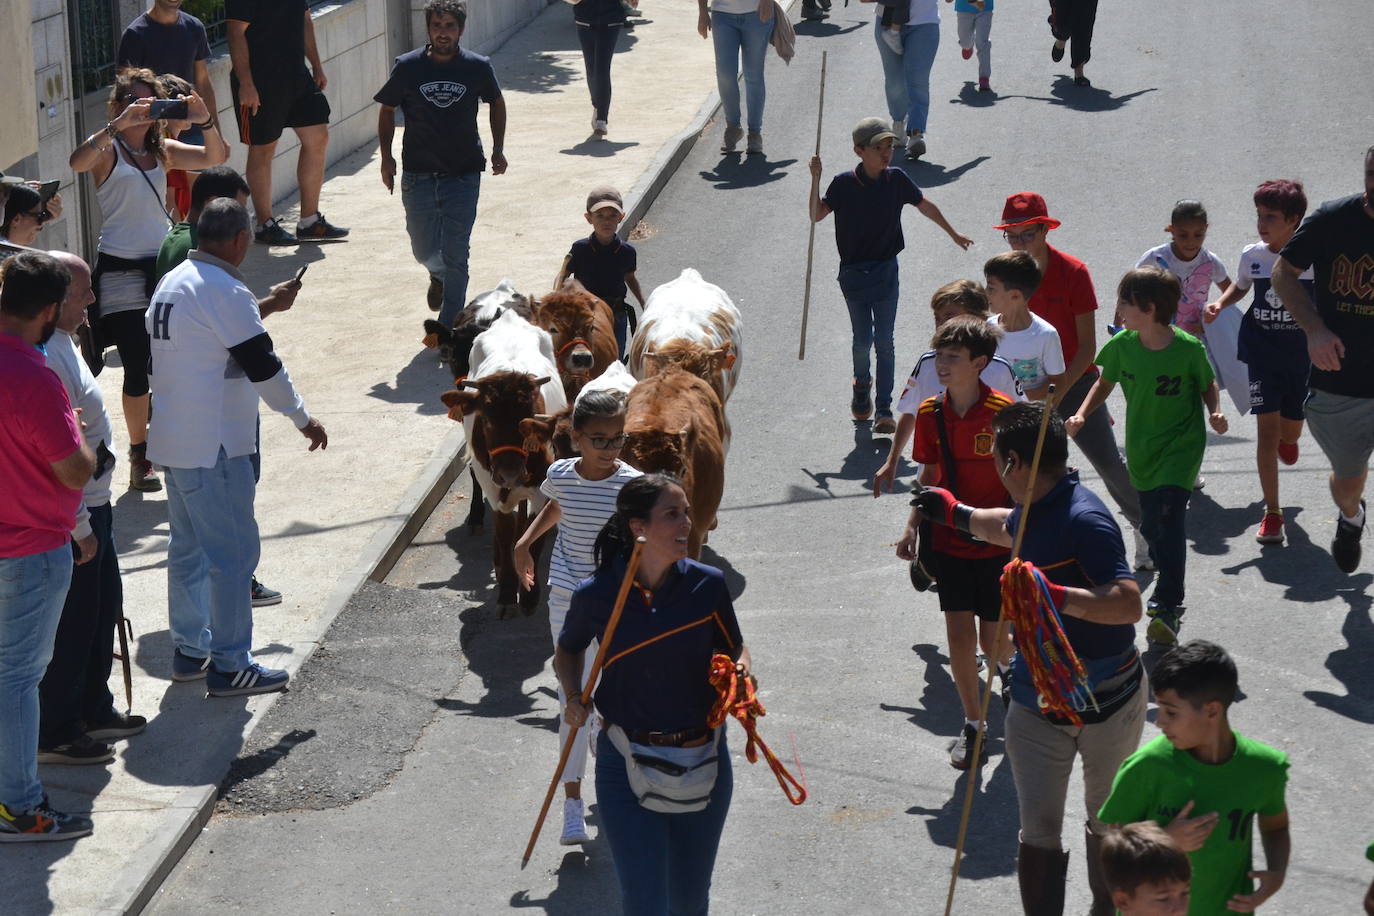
column 584, row 505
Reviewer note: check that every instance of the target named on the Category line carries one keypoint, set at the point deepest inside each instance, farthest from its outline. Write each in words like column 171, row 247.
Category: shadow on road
column 862, row 462
column 585, row 885
column 928, row 174
column 1084, row 98
column 419, row 382
column 598, row 147
column 736, row 170
column 989, row 848
column 816, row 28
column 939, row 694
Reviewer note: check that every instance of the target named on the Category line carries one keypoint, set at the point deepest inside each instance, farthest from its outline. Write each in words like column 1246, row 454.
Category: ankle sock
column 308, row 221
column 976, row 723
column 1357, row 519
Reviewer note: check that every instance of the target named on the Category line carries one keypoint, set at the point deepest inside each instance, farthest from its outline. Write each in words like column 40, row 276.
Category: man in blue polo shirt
column 867, row 202
column 1074, row 540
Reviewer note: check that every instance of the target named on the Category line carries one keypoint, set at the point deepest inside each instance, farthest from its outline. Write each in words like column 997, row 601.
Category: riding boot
column 1097, row 881
column 1041, row 874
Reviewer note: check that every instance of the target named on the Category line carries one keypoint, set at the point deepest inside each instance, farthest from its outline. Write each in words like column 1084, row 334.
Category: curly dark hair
column 120, row 98
column 458, row 9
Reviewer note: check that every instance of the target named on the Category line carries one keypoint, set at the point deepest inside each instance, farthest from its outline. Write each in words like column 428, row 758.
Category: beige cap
column 872, row 131
column 604, row 197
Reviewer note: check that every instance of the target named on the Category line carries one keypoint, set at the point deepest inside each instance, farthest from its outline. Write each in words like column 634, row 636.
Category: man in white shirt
column 211, row 362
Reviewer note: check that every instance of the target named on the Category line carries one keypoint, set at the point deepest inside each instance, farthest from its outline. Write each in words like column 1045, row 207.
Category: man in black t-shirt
column 438, row 88
column 167, row 40
column 1337, row 242
column 269, row 42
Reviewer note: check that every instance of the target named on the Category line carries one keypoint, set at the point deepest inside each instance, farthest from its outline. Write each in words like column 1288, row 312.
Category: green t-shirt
column 1156, row 782
column 1165, row 424
column 180, row 239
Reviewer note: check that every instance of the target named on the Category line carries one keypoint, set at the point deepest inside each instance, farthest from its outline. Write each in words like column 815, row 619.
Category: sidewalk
column 352, row 344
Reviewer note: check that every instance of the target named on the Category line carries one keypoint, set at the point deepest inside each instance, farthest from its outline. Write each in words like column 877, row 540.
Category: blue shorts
column 1281, row 388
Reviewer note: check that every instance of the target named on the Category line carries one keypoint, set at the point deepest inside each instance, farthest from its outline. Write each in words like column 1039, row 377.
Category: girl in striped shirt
column 582, row 493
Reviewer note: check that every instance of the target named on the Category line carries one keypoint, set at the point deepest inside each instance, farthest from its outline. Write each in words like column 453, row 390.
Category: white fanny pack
column 669, row 780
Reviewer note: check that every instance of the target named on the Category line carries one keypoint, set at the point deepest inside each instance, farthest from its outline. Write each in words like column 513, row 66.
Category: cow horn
column 474, row 384
column 541, row 382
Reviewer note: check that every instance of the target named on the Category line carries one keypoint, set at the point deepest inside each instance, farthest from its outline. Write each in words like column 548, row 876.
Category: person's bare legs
column 1346, row 493
column 259, row 175
column 136, row 418
column 962, row 636
column 1267, row 458
column 310, row 166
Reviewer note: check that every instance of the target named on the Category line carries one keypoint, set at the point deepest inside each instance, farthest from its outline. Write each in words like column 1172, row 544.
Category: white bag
column 669, row 780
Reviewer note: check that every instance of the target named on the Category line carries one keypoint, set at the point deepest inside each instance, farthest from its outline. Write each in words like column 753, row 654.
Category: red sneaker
column 1288, row 452
column 1270, row 529
column 966, row 52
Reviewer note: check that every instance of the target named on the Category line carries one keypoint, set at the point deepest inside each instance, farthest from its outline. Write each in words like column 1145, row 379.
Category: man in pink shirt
column 43, row 465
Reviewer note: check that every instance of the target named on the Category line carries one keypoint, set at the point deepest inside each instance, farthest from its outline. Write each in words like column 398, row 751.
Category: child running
column 1029, row 342
column 1205, row 783
column 1272, row 345
column 1164, row 373
column 1147, row 873
column 582, row 493
column 975, row 28
column 954, row 445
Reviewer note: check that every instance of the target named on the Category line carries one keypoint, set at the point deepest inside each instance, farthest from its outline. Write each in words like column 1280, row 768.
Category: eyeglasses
column 605, row 442
column 1022, row 237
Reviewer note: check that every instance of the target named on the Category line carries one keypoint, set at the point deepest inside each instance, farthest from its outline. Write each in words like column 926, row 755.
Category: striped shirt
column 585, row 505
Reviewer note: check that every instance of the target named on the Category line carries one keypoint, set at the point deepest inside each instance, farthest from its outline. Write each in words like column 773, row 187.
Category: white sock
column 1004, row 667
column 1357, row 519
column 976, row 723
column 308, row 221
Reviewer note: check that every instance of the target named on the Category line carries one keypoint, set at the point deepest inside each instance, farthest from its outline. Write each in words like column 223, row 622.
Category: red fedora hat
column 1024, row 209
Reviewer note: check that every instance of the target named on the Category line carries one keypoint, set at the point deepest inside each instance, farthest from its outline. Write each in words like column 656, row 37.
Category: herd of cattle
column 519, row 364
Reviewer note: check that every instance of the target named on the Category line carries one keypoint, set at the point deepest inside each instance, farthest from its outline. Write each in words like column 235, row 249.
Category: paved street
column 404, row 770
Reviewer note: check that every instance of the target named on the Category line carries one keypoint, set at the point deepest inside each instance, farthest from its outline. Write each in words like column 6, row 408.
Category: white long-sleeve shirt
column 64, row 358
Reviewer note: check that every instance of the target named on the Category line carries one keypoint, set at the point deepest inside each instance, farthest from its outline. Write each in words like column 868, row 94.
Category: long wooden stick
column 811, row 235
column 630, row 569
column 1003, row 626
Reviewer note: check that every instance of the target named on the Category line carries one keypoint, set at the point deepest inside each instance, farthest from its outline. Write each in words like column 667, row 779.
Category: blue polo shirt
column 1075, row 542
column 602, row 268
column 868, row 213
column 656, row 670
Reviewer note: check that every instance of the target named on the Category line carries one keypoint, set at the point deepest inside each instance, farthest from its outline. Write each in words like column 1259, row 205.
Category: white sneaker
column 1143, row 563
column 916, row 144
column 600, row 127
column 1200, row 482
column 574, row 823
column 893, row 39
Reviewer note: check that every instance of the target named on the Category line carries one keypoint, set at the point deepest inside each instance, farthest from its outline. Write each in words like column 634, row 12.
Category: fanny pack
column 669, row 780
column 1114, row 680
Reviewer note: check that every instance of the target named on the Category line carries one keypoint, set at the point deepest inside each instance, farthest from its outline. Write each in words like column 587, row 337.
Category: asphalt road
column 420, row 801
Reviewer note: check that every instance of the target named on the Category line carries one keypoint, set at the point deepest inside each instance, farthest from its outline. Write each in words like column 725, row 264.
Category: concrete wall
column 51, row 97
column 19, row 139
column 490, row 22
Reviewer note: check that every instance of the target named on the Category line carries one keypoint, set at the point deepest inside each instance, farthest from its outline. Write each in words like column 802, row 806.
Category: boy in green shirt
column 1164, row 372
column 1201, row 765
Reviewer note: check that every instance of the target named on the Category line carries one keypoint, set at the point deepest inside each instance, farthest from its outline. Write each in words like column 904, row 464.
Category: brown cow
column 583, row 333
column 675, row 423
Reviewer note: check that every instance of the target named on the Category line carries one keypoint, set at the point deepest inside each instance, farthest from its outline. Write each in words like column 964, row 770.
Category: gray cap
column 871, row 131
column 603, row 197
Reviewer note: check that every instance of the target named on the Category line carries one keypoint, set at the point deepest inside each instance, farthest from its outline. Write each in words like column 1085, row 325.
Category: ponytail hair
column 635, row 500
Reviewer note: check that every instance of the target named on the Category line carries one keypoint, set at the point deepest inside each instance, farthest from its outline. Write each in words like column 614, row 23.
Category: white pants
column 559, row 600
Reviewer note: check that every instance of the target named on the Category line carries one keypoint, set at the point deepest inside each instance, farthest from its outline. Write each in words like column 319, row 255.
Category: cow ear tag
column 432, row 341
column 729, row 360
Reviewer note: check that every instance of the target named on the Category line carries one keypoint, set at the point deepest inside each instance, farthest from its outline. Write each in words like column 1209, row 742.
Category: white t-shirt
column 924, row 383
column 584, row 505
column 1257, row 263
column 64, row 358
column 920, row 13
column 1034, row 352
column 733, row 6
column 1195, row 276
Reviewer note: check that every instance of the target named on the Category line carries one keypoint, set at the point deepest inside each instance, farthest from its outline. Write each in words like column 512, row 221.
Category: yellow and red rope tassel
column 1055, row 669
column 736, row 697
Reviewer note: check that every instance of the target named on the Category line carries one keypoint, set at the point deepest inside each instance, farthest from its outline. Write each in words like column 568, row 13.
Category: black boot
column 1097, row 881
column 812, row 10
column 1041, row 874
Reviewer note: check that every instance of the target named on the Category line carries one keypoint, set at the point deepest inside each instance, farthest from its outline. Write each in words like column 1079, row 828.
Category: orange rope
column 737, row 698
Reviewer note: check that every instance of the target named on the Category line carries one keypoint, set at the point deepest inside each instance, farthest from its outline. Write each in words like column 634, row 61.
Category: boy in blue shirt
column 605, row 264
column 867, row 202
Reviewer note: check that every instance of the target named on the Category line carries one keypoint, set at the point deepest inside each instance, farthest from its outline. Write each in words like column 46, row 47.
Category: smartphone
column 47, row 189
column 168, row 110
column 301, row 273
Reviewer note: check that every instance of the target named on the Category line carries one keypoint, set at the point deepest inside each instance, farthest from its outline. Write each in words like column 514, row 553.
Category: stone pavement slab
column 352, row 346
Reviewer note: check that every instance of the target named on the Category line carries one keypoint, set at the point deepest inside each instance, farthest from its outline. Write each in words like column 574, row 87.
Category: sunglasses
column 605, row 442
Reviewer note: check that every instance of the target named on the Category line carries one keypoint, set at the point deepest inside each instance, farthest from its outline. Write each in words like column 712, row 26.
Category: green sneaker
column 42, row 824
column 1165, row 622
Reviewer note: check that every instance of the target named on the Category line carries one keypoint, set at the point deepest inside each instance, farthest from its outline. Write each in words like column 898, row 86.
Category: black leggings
column 598, row 47
column 130, row 337
column 1072, row 21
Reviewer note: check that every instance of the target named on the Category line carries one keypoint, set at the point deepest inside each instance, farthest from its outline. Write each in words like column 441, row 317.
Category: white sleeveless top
column 134, row 222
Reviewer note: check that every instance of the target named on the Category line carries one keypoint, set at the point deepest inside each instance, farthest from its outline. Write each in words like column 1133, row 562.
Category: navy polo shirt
column 1075, row 542
column 656, row 673
column 868, row 213
column 602, row 268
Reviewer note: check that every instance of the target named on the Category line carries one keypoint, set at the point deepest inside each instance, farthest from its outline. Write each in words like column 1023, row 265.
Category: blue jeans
column 1163, row 511
column 32, row 590
column 440, row 211
column 870, row 291
column 664, row 861
column 906, row 76
column 736, row 35
column 211, row 555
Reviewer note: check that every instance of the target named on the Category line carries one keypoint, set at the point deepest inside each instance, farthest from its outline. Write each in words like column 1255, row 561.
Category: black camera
column 168, row 110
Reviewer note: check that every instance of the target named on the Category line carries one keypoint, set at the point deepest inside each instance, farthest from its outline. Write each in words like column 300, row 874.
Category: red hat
column 1025, row 209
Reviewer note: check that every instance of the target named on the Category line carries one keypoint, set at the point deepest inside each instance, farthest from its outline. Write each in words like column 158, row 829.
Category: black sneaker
column 1056, row 52
column 264, row 596
column 961, row 750
column 81, row 750
column 1004, row 686
column 435, row 296
column 320, row 231
column 861, row 403
column 1345, row 547
column 188, row 667
column 1165, row 622
column 41, row 824
column 120, row 725
column 271, row 233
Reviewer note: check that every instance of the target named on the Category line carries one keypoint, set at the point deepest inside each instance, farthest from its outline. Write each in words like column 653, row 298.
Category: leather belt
column 684, row 738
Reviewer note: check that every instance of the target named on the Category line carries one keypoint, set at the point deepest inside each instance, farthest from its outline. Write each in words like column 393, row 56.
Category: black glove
column 940, row 506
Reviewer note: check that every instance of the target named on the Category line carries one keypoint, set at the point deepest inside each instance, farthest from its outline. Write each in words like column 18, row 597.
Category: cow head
column 659, row 450
column 500, row 404
column 569, row 315
column 703, row 362
column 454, row 345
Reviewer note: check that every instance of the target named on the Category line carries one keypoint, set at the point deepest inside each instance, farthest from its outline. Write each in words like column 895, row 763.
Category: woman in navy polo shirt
column 654, row 686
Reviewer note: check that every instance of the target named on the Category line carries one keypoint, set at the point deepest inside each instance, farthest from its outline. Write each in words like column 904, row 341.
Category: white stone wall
column 53, row 106
column 490, row 22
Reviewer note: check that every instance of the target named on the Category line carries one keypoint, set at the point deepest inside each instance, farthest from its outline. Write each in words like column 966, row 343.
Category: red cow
column 583, row 334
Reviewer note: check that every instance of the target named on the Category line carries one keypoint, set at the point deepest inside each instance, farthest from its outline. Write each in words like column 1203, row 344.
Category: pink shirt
column 37, row 427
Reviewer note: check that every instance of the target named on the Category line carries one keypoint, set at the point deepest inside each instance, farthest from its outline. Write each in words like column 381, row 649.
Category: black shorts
column 129, row 335
column 287, row 101
column 1278, row 388
column 970, row 584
